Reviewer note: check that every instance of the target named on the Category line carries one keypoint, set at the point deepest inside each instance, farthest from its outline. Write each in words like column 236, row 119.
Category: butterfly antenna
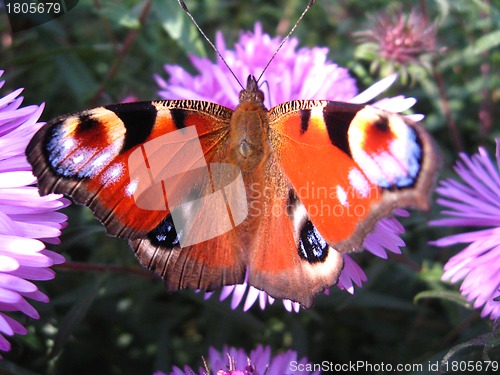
column 186, row 10
column 309, row 5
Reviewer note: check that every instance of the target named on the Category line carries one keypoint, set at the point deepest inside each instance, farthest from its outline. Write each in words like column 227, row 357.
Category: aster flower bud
column 398, row 42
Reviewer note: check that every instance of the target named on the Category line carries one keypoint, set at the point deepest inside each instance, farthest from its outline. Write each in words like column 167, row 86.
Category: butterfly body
column 208, row 196
column 249, row 129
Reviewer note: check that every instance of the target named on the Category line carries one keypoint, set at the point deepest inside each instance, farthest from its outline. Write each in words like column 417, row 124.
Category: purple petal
column 351, row 273
column 25, row 217
column 474, row 202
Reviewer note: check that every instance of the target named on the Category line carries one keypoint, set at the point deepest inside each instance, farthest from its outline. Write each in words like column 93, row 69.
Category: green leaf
column 431, row 273
column 472, row 53
column 180, row 28
column 77, row 75
column 366, row 51
column 451, row 296
column 121, row 15
column 380, row 300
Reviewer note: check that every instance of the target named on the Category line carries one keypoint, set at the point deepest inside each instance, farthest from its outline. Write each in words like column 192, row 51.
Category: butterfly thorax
column 249, row 128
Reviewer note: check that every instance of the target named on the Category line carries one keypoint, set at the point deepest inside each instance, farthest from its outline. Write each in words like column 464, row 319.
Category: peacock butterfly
column 208, row 196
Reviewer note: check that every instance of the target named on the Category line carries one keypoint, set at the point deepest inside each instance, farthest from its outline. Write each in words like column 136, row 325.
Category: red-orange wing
column 289, row 258
column 128, row 162
column 350, row 165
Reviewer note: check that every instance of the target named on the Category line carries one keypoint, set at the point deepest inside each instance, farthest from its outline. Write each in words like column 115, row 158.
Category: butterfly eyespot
column 312, row 246
column 382, row 124
column 86, row 123
column 165, row 235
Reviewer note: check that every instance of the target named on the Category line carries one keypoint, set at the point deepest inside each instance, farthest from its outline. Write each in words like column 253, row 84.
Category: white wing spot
column 359, row 182
column 132, row 187
column 342, row 196
column 78, row 159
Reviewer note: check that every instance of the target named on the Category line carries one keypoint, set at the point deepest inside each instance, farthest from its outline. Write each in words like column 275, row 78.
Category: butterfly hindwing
column 289, row 257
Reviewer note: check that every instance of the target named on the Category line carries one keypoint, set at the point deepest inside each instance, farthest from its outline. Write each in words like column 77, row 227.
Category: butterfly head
column 252, row 94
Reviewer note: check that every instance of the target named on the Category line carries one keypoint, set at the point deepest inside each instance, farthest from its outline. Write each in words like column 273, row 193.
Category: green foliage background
column 108, row 316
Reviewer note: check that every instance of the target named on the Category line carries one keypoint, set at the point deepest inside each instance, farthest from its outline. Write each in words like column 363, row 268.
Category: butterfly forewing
column 359, row 164
column 116, row 159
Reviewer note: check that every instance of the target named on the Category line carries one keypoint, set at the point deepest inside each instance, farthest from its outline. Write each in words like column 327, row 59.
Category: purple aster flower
column 303, row 73
column 25, row 219
column 474, row 202
column 232, row 361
